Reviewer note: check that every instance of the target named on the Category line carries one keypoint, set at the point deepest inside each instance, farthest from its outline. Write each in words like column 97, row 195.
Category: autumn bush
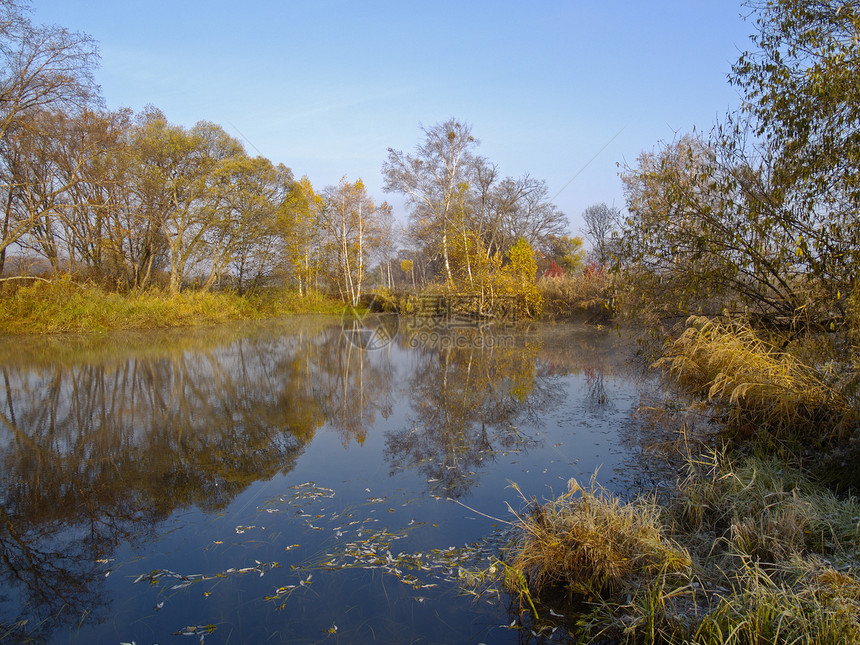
column 588, row 294
column 384, row 300
column 491, row 286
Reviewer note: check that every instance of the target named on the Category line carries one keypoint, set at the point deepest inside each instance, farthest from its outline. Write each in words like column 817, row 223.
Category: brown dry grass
column 587, row 543
column 588, row 295
column 759, row 389
column 62, row 305
column 750, row 551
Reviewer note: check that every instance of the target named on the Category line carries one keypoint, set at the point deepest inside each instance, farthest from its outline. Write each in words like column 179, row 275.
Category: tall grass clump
column 807, row 603
column 755, row 387
column 780, row 550
column 760, row 508
column 587, row 544
column 747, row 551
column 273, row 302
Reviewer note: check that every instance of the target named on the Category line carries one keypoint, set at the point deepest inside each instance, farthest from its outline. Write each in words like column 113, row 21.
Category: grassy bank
column 761, row 388
column 758, row 542
column 747, row 551
column 66, row 306
column 62, row 305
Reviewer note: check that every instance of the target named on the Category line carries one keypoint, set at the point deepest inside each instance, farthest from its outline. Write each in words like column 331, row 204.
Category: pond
column 294, row 481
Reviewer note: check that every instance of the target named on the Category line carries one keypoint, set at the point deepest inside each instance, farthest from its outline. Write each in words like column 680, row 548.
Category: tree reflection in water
column 96, row 452
column 469, row 398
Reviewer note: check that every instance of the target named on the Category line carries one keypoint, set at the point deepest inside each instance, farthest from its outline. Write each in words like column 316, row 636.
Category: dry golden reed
column 759, row 389
column 588, row 543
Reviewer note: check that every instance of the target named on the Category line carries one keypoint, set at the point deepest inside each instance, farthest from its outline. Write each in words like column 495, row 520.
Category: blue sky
column 327, row 86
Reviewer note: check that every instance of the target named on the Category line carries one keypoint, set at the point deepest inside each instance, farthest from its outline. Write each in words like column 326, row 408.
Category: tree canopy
column 463, row 213
column 763, row 214
column 131, row 200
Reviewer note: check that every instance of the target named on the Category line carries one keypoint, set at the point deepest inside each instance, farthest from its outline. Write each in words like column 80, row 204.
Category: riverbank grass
column 747, row 548
column 62, row 305
column 587, row 543
column 747, row 551
column 758, row 391
column 588, row 295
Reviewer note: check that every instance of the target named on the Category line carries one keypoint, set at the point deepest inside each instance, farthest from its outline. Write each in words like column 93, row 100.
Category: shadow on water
column 103, row 440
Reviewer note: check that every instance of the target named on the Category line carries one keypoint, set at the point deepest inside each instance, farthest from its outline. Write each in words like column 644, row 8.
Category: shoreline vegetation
column 39, row 305
column 757, row 540
column 63, row 305
column 745, row 550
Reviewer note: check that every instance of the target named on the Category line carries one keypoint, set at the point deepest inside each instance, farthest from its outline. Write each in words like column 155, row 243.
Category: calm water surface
column 289, row 482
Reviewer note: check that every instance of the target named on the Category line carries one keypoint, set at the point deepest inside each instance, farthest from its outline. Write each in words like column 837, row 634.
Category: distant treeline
column 131, row 200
